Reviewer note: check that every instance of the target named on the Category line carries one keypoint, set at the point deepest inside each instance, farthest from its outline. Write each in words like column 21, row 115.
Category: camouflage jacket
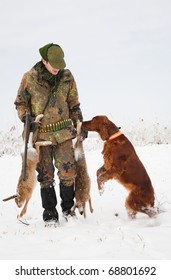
column 54, row 96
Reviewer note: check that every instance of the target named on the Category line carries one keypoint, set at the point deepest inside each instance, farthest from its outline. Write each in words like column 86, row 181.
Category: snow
column 106, row 234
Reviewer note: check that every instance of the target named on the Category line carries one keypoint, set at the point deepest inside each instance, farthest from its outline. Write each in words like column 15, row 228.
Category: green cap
column 53, row 54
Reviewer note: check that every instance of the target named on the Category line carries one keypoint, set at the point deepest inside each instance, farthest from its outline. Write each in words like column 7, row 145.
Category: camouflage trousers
column 60, row 156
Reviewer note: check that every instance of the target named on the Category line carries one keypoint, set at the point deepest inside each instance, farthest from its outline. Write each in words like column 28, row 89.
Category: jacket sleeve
column 73, row 102
column 22, row 101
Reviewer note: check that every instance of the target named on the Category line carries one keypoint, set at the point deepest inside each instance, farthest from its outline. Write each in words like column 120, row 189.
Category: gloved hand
column 33, row 124
column 82, row 135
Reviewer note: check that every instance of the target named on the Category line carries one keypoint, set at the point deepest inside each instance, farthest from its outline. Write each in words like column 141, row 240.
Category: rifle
column 26, row 140
column 26, row 96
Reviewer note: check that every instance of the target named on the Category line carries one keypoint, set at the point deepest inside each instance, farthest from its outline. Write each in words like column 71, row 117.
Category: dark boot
column 67, row 195
column 49, row 203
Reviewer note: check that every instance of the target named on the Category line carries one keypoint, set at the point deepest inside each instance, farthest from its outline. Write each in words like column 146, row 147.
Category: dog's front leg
column 103, row 176
column 100, row 179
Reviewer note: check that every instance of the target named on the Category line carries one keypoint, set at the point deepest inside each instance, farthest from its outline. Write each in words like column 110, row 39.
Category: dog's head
column 102, row 125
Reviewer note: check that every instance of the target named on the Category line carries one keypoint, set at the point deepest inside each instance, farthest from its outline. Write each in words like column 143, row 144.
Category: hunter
column 52, row 91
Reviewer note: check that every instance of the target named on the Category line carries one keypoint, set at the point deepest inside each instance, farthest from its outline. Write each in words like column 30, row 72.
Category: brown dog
column 122, row 163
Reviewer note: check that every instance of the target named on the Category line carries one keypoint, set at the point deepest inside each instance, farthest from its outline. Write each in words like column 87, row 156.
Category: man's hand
column 82, row 135
column 33, row 124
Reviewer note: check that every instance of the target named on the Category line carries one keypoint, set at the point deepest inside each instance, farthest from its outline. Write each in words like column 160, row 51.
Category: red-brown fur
column 25, row 188
column 82, row 180
column 123, row 164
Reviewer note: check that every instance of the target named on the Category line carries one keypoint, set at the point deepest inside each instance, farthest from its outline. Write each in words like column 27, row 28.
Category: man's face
column 52, row 70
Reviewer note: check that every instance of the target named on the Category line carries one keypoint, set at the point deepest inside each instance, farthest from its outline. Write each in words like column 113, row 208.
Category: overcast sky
column 119, row 52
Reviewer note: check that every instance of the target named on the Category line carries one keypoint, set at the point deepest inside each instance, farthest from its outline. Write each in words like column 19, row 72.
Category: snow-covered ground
column 103, row 235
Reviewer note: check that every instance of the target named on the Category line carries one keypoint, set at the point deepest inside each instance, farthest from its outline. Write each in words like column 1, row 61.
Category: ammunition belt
column 52, row 127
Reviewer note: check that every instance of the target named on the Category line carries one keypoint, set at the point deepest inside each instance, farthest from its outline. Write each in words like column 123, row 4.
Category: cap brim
column 59, row 64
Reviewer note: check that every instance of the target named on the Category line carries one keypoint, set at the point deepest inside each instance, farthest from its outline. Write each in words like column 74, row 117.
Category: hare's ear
column 79, row 124
column 10, row 197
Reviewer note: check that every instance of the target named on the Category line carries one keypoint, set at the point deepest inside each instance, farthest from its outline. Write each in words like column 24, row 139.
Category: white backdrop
column 117, row 50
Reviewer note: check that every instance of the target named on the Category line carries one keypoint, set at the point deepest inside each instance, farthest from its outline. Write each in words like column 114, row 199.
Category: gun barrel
column 26, row 138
